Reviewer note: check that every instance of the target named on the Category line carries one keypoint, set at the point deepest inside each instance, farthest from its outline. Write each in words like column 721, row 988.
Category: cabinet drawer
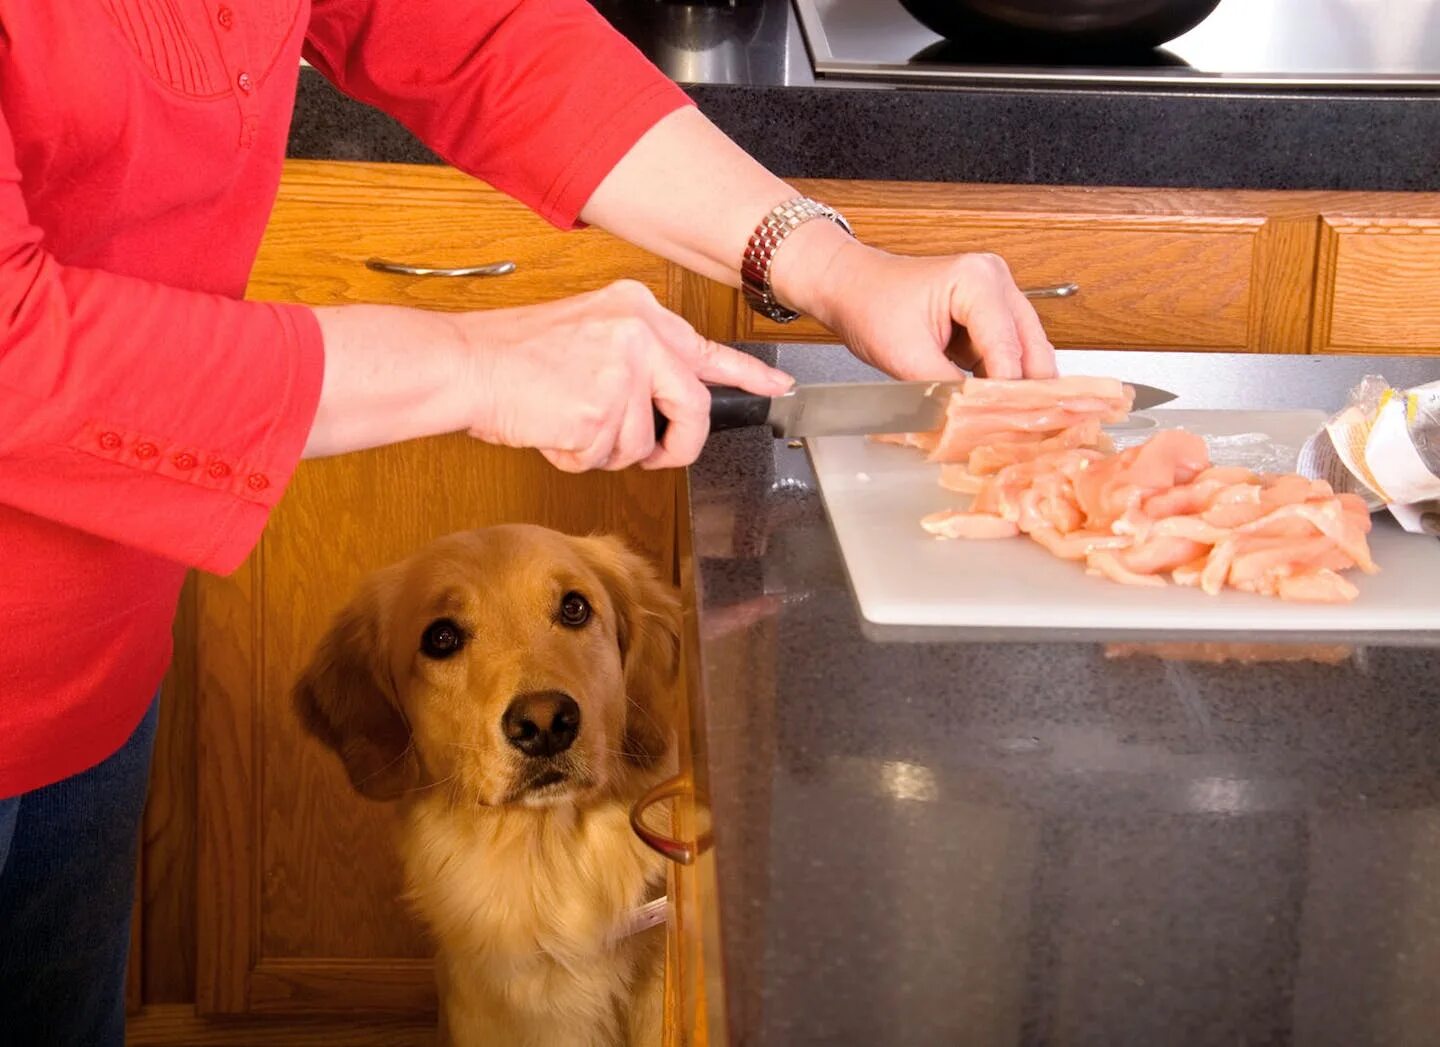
column 1379, row 285
column 330, row 217
column 1177, row 281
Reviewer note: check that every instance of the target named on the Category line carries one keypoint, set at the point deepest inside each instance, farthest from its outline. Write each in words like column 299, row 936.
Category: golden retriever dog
column 512, row 689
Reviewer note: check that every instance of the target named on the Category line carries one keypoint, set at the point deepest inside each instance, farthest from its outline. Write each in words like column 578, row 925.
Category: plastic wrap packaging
column 1385, row 447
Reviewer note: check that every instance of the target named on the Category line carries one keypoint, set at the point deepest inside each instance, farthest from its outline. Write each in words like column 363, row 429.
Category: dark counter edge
column 1142, row 139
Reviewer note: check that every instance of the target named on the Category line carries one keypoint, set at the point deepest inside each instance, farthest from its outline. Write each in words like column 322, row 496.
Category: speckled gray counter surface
column 747, row 68
column 1031, row 843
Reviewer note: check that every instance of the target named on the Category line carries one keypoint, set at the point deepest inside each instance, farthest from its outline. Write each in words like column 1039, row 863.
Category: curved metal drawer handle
column 676, row 850
column 1058, row 291
column 380, row 265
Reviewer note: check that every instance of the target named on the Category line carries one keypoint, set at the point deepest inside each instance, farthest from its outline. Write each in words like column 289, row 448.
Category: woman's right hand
column 577, row 379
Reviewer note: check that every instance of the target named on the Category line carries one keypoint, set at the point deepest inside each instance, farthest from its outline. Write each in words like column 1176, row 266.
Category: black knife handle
column 730, row 408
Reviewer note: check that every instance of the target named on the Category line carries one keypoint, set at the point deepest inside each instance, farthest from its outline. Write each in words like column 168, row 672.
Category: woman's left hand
column 915, row 318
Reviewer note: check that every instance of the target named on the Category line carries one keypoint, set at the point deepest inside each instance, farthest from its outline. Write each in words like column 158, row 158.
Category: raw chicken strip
column 954, row 524
column 987, row 412
column 1077, row 545
column 965, row 430
column 1158, row 555
column 1044, row 392
column 1323, row 586
column 991, row 458
column 956, row 477
column 1108, row 563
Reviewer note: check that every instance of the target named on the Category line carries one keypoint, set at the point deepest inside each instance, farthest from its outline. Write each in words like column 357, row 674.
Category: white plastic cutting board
column 875, row 495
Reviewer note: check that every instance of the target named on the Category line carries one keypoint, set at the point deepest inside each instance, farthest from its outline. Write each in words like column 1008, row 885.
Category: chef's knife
column 851, row 408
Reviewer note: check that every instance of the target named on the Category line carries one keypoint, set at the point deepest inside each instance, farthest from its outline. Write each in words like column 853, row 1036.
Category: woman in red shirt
column 150, row 418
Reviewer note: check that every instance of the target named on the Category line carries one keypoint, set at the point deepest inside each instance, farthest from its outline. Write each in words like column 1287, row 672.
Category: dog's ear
column 346, row 696
column 649, row 635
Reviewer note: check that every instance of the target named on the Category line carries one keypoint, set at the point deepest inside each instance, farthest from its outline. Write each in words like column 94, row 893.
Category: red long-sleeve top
column 149, row 419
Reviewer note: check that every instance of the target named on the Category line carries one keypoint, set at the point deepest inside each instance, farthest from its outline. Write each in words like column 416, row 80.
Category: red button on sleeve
column 184, row 460
column 225, row 17
column 146, row 450
column 257, row 482
column 219, row 470
column 109, row 441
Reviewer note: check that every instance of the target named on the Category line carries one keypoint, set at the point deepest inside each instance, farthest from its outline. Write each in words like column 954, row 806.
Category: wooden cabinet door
column 1378, row 277
column 298, row 883
column 1162, row 269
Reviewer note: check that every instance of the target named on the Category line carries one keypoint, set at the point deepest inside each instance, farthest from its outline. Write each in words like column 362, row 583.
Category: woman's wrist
column 806, row 271
column 391, row 374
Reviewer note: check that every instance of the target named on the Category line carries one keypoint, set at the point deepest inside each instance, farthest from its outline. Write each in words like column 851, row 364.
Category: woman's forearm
column 578, row 378
column 688, row 193
column 391, row 374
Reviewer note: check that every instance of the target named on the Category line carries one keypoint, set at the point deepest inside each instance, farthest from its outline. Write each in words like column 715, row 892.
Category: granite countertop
column 1032, row 843
column 746, row 66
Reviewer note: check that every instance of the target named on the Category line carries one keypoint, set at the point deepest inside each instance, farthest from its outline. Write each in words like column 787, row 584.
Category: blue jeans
column 67, row 884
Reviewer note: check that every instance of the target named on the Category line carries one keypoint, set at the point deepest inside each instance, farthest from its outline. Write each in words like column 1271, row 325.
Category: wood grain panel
column 709, row 306
column 168, row 871
column 1378, row 285
column 1283, row 297
column 228, row 634
column 1116, row 200
column 379, row 984
column 329, row 218
column 1181, row 281
column 177, row 1025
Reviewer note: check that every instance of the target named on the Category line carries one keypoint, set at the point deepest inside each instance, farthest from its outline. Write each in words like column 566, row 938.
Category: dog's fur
column 525, row 888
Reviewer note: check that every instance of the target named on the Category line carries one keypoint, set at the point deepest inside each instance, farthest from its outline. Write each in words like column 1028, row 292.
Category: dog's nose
column 541, row 723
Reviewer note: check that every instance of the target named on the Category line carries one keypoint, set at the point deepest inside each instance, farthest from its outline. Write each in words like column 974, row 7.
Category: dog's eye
column 442, row 638
column 574, row 610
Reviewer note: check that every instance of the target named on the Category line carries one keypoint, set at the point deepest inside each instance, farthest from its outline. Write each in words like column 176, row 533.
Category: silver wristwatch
column 760, row 252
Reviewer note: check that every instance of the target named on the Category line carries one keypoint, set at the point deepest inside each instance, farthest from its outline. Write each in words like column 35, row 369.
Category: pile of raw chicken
column 1035, row 458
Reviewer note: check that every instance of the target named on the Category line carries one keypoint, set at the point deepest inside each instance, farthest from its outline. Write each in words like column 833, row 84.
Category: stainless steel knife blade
column 863, row 408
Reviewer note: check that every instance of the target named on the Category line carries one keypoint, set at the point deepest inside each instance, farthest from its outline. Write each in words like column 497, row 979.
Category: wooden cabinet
column 1175, row 270
column 1378, row 278
column 1230, row 271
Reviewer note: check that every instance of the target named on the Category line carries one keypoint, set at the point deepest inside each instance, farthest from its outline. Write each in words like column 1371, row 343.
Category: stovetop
column 1291, row 44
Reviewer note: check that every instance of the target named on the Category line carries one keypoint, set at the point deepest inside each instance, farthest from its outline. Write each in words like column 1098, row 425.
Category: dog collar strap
column 643, row 917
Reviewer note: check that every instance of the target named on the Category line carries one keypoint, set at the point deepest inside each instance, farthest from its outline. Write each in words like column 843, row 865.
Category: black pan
column 1061, row 23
